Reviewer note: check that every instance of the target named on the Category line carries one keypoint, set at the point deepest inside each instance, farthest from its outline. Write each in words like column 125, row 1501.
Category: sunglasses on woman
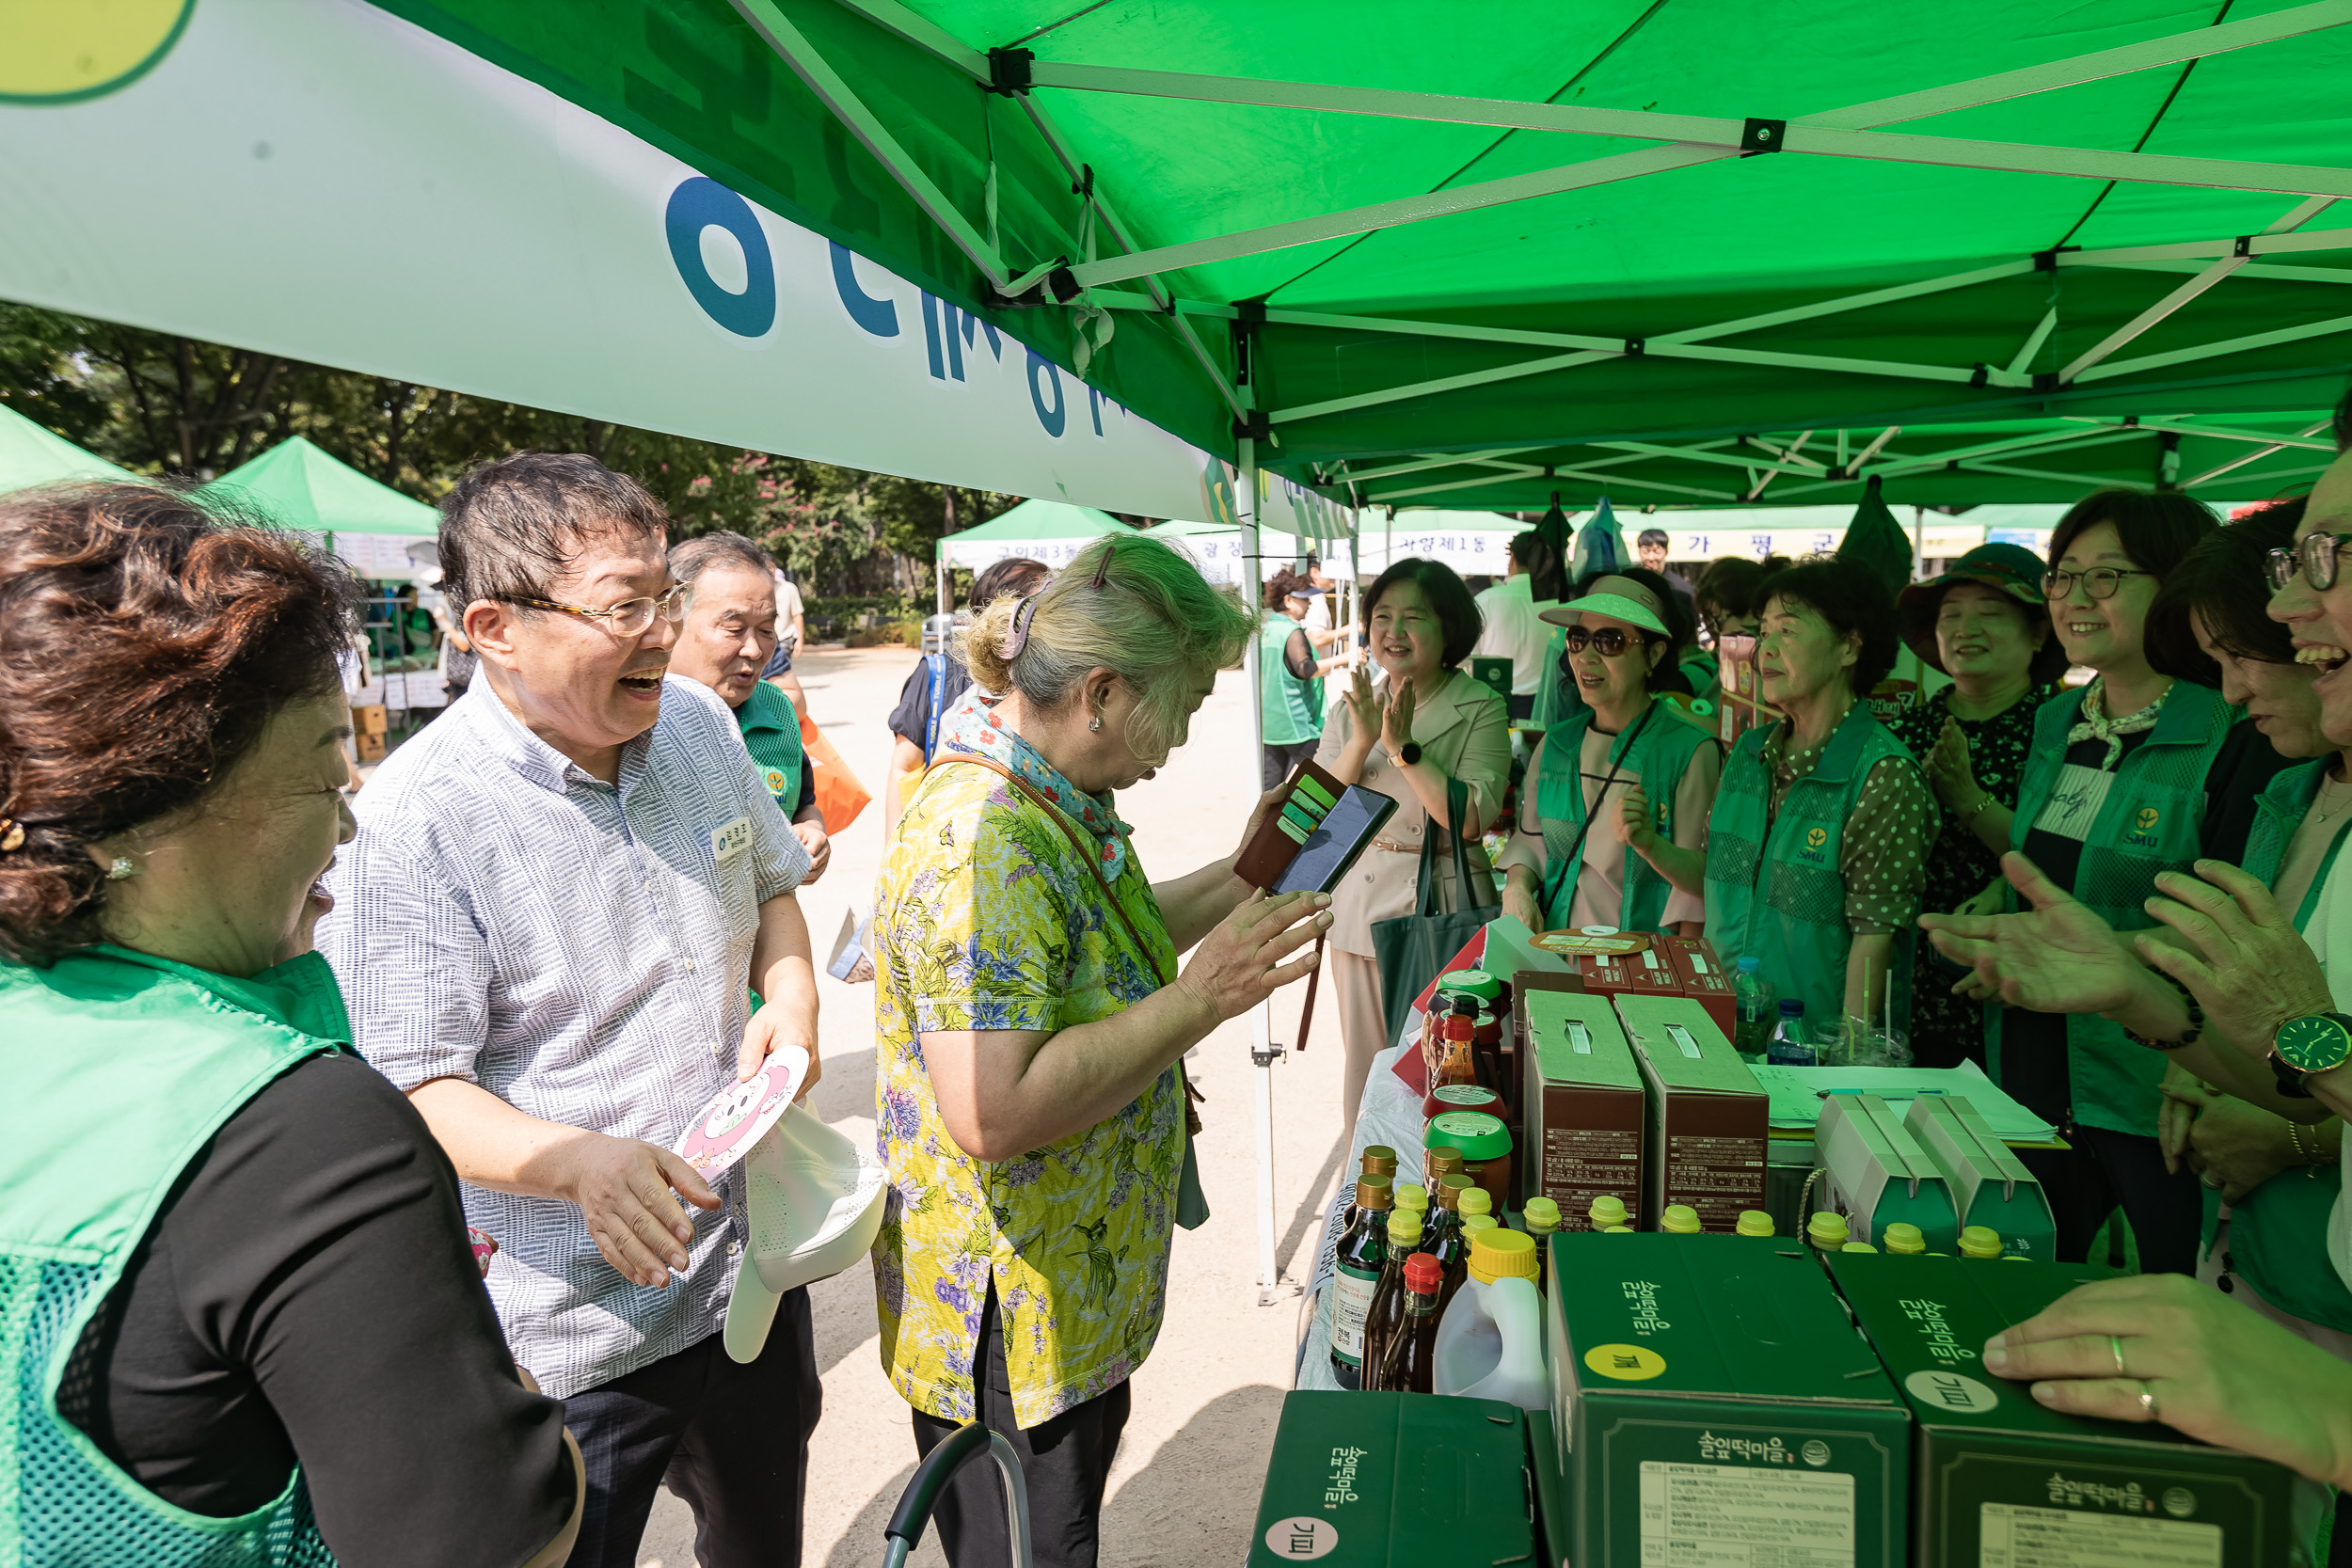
column 1607, row 641
column 2315, row 555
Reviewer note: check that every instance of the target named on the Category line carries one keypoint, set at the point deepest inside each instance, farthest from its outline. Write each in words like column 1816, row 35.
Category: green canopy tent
column 296, row 485
column 30, row 454
column 1050, row 532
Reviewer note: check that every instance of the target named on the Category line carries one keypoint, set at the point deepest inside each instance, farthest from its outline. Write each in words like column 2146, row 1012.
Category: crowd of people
column 323, row 1034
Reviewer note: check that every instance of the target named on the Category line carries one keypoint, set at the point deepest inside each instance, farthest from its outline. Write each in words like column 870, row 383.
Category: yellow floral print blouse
column 989, row 920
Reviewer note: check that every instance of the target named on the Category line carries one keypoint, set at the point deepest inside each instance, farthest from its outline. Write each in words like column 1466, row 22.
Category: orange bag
column 839, row 795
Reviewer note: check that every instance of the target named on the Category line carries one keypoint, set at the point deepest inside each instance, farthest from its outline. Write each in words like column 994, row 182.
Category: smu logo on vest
column 2143, row 830
column 1814, row 849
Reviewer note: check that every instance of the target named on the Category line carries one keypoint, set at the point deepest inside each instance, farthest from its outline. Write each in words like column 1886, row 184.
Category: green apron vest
column 2278, row 1232
column 2151, row 823
column 120, row 1068
column 1774, row 890
column 771, row 733
column 1661, row 748
column 1292, row 708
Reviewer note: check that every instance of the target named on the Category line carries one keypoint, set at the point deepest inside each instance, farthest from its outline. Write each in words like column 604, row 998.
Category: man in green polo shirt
column 725, row 641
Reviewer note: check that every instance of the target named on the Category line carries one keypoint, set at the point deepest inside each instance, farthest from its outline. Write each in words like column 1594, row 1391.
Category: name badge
column 2074, row 805
column 732, row 840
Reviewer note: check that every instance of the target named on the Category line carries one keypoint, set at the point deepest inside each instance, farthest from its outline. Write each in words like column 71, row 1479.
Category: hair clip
column 1103, row 567
column 1010, row 645
column 11, row 835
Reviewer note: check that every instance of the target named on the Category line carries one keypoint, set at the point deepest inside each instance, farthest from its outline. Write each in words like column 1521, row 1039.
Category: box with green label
column 1713, row 1405
column 2003, row 1482
column 1366, row 1481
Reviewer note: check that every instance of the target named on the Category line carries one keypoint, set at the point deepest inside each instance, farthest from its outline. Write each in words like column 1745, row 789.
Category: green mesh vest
column 2151, row 822
column 1659, row 752
column 771, row 733
column 119, row 1067
column 1292, row 708
column 1774, row 890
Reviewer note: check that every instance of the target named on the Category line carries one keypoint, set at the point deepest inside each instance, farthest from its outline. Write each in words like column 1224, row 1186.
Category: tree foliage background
column 169, row 406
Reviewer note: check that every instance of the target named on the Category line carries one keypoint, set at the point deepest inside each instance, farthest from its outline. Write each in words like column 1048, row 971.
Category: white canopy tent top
column 1050, row 532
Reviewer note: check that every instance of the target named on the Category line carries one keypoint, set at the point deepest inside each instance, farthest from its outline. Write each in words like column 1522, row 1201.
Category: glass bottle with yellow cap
column 1388, row 1298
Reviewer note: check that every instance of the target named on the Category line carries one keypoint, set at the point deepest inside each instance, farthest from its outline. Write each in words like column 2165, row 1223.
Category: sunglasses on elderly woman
column 1607, row 641
column 2315, row 555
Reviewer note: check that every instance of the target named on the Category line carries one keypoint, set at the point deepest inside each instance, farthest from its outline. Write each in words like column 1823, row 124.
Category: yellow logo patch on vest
column 1812, row 849
column 2143, row 831
column 774, row 778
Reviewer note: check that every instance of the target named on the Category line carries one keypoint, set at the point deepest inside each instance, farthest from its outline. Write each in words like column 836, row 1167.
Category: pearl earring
column 120, row 869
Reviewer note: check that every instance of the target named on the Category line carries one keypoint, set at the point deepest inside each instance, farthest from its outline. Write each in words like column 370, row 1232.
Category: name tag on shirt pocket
column 730, row 841
column 2074, row 805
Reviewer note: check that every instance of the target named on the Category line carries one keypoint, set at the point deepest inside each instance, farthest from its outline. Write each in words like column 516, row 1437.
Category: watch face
column 2313, row 1044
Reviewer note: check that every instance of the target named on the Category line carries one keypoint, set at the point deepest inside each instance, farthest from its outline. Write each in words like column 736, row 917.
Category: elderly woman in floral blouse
column 1031, row 1020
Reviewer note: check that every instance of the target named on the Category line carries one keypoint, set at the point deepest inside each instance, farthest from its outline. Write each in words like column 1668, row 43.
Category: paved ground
column 1184, row 1490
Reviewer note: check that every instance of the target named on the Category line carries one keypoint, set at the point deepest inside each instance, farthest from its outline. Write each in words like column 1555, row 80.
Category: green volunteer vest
column 119, row 1067
column 1774, row 888
column 1292, row 708
column 1555, row 699
column 1660, row 749
column 2149, row 824
column 771, row 733
column 2278, row 1232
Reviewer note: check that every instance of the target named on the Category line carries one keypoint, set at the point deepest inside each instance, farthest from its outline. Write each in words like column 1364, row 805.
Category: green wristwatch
column 2303, row 1046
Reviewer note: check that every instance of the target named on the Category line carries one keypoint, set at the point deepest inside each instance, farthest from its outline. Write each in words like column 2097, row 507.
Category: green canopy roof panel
column 31, row 454
column 294, row 485
column 1479, row 226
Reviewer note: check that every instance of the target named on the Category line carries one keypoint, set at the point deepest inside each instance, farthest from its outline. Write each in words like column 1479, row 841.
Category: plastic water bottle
column 1490, row 1338
column 1751, row 1002
column 1791, row 1046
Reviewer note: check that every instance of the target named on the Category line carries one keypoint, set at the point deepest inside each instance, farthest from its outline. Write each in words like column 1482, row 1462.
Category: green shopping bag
column 1413, row 948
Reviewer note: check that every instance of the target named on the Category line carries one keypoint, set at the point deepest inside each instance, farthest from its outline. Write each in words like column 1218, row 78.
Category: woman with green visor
column 1611, row 826
column 1816, row 849
column 2135, row 775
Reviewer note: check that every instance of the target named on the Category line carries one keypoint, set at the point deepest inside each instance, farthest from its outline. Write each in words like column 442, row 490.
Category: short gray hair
column 510, row 526
column 1155, row 619
column 696, row 556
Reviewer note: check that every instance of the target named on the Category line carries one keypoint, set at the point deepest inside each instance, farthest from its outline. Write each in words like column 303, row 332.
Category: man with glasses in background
column 545, row 933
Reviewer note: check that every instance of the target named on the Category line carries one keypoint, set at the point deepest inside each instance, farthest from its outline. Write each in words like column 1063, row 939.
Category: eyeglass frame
column 2284, row 561
column 2115, row 582
column 675, row 595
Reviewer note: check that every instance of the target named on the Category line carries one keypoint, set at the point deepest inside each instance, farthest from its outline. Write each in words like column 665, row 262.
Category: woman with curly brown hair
column 246, row 1321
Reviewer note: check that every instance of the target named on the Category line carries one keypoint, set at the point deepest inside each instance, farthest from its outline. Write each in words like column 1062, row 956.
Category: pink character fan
column 742, row 1114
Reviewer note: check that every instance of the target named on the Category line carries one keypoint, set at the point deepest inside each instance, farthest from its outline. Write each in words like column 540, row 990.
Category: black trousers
column 1064, row 1464
column 730, row 1439
column 1275, row 764
column 2106, row 1171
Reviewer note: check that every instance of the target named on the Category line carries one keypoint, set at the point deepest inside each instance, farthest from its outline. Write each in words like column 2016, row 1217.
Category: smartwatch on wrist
column 1408, row 754
column 2319, row 1042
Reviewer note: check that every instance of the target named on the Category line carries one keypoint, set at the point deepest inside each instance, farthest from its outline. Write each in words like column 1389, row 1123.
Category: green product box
column 1366, row 1481
column 1551, row 1497
column 2003, row 1482
column 1713, row 1405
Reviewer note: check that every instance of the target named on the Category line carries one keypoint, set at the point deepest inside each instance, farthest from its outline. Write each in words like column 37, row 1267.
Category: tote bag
column 1411, row 949
column 839, row 795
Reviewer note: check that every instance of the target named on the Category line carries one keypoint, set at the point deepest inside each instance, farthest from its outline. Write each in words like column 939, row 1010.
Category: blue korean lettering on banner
column 876, row 316
column 699, row 204
column 1053, row 419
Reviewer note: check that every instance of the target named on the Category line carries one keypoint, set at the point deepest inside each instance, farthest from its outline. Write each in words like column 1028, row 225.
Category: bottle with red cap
column 1408, row 1359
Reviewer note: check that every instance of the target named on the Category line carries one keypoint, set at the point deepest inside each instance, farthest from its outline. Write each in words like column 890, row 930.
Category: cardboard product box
column 1707, row 1116
column 368, row 718
column 1990, row 1185
column 1581, row 1130
column 369, row 748
column 2003, row 1482
column 1878, row 1175
column 1713, row 1406
column 1552, row 1517
column 1704, row 980
column 1367, row 1480
column 1652, row 971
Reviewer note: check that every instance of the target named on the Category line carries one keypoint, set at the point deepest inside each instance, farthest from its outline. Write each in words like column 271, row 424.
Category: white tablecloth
column 1390, row 1114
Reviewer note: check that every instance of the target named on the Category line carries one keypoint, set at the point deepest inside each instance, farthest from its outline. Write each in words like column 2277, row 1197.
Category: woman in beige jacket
column 1428, row 723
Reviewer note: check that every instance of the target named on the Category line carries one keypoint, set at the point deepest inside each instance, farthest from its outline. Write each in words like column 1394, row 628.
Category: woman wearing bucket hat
column 1816, row 846
column 1611, row 827
column 1983, row 624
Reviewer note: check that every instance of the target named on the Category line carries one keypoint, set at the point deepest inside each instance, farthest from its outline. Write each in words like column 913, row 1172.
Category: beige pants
column 1356, row 986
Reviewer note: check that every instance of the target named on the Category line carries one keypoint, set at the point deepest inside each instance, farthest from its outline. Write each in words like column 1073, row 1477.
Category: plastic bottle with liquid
column 1406, row 1360
column 1541, row 1217
column 1607, row 1212
column 1753, row 1009
column 1412, row 1194
column 1826, row 1231
column 1469, row 1203
column 1490, row 1335
column 1905, row 1240
column 1679, row 1219
column 1355, row 1274
column 1457, row 1058
column 1388, row 1298
column 1792, row 1043
column 1755, row 1221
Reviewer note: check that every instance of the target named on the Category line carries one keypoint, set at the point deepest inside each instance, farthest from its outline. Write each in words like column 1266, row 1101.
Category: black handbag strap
column 1573, row 860
column 1456, row 808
